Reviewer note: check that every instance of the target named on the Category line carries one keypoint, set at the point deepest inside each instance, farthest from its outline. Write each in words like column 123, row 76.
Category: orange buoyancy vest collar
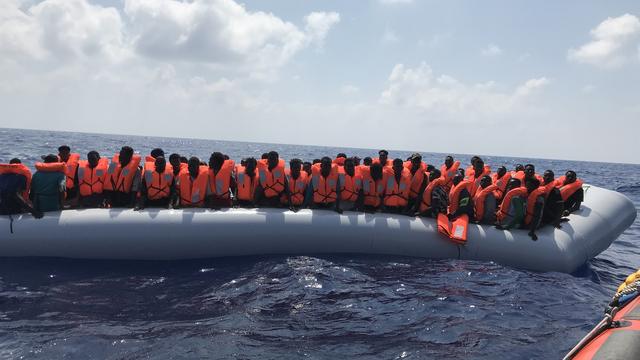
column 220, row 182
column 246, row 184
column 91, row 180
column 193, row 191
column 350, row 186
column 272, row 181
column 18, row 169
column 121, row 179
column 475, row 180
column 372, row 190
column 448, row 174
column 501, row 183
column 532, row 198
column 158, row 184
column 425, row 204
column 548, row 187
column 377, row 161
column 52, row 167
column 417, row 178
column 339, row 161
column 480, row 198
column 72, row 166
column 396, row 193
column 506, row 202
column 297, row 188
column 454, row 195
column 567, row 190
column 324, row 188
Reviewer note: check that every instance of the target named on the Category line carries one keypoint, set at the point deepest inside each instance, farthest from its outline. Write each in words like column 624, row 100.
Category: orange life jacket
column 396, row 193
column 149, row 158
column 193, row 191
column 246, row 184
column 121, row 179
column 475, row 180
column 350, row 186
column 158, row 184
column 548, row 187
column 501, row 183
column 454, row 195
column 52, row 167
column 448, row 174
column 272, row 181
column 531, row 203
column 219, row 183
column 506, row 202
column 425, row 204
column 416, row 178
column 183, row 169
column 339, row 161
column 324, row 189
column 377, row 161
column 72, row 166
column 297, row 188
column 91, row 181
column 567, row 190
column 480, row 198
column 18, row 169
column 372, row 189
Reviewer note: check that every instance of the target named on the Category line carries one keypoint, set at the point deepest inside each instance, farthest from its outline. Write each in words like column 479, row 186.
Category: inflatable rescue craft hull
column 161, row 234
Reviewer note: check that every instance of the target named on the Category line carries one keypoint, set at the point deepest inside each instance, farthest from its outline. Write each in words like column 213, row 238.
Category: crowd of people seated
column 520, row 198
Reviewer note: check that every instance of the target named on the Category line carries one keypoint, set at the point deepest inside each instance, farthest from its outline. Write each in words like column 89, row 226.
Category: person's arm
column 172, row 194
column 337, row 204
column 578, row 198
column 233, row 187
column 135, row 187
column 537, row 218
column 62, row 189
column 308, row 194
column 143, row 197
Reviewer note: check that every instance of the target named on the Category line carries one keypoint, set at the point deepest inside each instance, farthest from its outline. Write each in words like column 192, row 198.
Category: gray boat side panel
column 160, row 234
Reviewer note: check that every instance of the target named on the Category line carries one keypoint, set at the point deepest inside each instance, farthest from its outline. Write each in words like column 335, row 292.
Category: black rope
column 11, row 223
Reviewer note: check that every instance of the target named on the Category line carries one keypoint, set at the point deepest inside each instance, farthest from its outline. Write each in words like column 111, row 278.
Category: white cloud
column 491, row 50
column 613, row 43
column 389, row 36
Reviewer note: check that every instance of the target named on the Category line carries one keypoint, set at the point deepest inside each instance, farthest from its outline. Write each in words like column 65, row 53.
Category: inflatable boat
column 617, row 336
column 161, row 234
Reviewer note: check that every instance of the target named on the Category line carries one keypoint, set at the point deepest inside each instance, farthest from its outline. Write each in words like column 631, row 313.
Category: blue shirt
column 45, row 190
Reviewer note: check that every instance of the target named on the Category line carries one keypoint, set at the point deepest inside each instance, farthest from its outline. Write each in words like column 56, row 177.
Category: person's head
column 161, row 164
column 341, row 155
column 548, row 176
column 512, row 184
column 356, row 161
column 306, row 166
column 367, row 161
column 155, row 153
column 250, row 165
column 126, row 153
column 264, row 156
column 448, row 161
column 519, row 167
column 243, row 162
column 216, row 160
column 570, row 177
column 383, row 155
column 174, row 160
column 184, row 160
column 315, row 161
column 457, row 178
column 272, row 159
column 93, row 157
column 15, row 161
column 532, row 184
column 325, row 166
column 460, row 172
column 376, row 171
column 226, row 157
column 416, row 160
column 63, row 152
column 398, row 165
column 501, row 171
column 485, row 181
column 478, row 166
column 473, row 160
column 194, row 166
column 295, row 165
column 430, row 168
column 50, row 159
column 349, row 166
column 434, row 174
column 529, row 170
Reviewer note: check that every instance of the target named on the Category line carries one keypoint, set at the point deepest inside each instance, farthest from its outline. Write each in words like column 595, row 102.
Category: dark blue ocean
column 291, row 307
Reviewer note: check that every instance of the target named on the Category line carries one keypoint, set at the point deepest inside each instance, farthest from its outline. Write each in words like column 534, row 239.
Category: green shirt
column 45, row 190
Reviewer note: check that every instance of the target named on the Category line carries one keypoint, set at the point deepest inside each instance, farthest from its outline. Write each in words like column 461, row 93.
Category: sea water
column 291, row 307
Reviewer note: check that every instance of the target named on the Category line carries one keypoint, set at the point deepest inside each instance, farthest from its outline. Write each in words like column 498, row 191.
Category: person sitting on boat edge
column 91, row 176
column 122, row 183
column 372, row 187
column 434, row 198
column 191, row 185
column 177, row 166
column 485, row 201
column 511, row 211
column 350, row 180
column 247, row 181
column 325, row 186
column 448, row 170
column 15, row 180
column 397, row 184
column 460, row 201
column 500, row 178
column 220, row 181
column 534, row 206
column 273, row 182
column 297, row 180
column 71, row 162
column 571, row 192
column 419, row 178
column 158, row 186
column 383, row 158
column 48, row 184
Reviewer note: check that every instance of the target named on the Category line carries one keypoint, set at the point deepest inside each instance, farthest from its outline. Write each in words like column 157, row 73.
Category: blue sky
column 520, row 78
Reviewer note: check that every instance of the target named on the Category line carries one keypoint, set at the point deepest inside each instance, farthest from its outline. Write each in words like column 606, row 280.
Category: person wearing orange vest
column 153, row 155
column 471, row 168
column 177, row 165
column 571, row 192
column 383, row 158
column 247, row 181
column 15, row 180
column 419, row 178
column 158, row 186
column 191, row 185
column 460, row 200
column 325, row 186
column 367, row 161
column 534, row 206
column 296, row 192
column 448, row 170
column 485, row 202
column 48, row 184
column 273, row 182
column 500, row 179
column 340, row 158
column 511, row 211
column 306, row 167
column 71, row 162
column 91, row 176
column 220, row 181
column 122, row 182
column 372, row 187
column 475, row 175
column 433, row 199
column 350, row 180
column 397, row 184
column 518, row 172
column 553, row 205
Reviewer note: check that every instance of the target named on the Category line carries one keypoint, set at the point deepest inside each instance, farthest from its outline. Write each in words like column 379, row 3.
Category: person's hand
column 557, row 225
column 533, row 235
column 38, row 214
column 338, row 210
column 170, row 207
column 499, row 227
column 138, row 208
column 565, row 213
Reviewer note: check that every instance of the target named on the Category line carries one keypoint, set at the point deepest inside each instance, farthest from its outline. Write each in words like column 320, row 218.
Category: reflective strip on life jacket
column 158, row 184
column 396, row 193
column 220, row 182
column 246, row 184
column 193, row 191
column 350, row 186
column 448, row 174
column 324, row 188
column 272, row 181
column 91, row 180
column 372, row 189
column 297, row 188
column 121, row 179
column 18, row 169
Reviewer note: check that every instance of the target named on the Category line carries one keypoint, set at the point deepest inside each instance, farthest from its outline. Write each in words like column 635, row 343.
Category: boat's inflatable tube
column 156, row 234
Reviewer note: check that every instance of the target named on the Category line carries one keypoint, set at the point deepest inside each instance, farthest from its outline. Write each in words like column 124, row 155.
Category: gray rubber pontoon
column 155, row 234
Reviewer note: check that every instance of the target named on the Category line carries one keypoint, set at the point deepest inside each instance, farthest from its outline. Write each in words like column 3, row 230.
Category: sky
column 521, row 78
